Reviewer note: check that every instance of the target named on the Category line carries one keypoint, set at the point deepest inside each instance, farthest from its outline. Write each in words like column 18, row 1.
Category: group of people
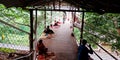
column 42, row 51
column 83, row 51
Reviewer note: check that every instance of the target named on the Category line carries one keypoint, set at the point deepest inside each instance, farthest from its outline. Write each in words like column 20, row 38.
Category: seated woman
column 41, row 49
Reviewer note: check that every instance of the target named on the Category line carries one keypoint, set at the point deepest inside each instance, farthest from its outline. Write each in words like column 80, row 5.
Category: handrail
column 93, row 51
column 100, row 46
column 97, row 55
column 104, row 49
column 24, row 56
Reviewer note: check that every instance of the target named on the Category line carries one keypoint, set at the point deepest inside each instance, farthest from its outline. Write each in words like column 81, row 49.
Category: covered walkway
column 63, row 44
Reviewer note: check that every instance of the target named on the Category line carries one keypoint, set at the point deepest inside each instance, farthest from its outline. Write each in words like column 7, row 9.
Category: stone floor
column 63, row 44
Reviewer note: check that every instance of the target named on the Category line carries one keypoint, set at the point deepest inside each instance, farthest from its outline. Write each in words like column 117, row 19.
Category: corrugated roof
column 112, row 6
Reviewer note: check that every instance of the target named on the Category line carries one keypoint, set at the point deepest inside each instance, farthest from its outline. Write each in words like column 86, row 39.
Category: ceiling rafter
column 107, row 6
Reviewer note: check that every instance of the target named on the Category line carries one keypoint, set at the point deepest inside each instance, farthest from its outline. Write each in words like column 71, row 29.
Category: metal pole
column 81, row 37
column 97, row 55
column 31, row 29
column 31, row 32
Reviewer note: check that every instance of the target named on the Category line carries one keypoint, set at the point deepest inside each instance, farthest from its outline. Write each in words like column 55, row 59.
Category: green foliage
column 102, row 25
column 14, row 16
column 7, row 50
column 40, row 29
column 100, row 28
column 16, row 39
column 77, row 34
column 18, row 18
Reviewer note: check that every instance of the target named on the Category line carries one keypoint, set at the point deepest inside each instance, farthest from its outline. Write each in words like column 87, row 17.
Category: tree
column 101, row 28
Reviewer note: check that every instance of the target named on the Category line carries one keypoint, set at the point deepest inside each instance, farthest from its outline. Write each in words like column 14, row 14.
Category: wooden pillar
column 35, row 27
column 51, row 15
column 31, row 33
column 31, row 29
column 35, row 38
column 81, row 37
column 59, row 4
column 45, row 18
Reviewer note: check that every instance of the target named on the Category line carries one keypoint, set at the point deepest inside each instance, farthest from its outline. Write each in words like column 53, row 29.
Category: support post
column 81, row 37
column 35, row 27
column 31, row 29
column 45, row 18
column 31, row 32
column 35, row 39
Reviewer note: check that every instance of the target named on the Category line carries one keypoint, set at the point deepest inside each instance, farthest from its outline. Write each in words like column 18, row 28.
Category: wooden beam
column 68, row 10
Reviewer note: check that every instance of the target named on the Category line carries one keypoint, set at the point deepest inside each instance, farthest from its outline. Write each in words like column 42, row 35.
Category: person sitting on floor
column 48, row 31
column 56, row 24
column 41, row 49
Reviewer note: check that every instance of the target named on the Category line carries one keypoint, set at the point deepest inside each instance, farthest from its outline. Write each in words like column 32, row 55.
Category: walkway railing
column 101, row 48
column 26, row 57
column 94, row 52
column 104, row 50
column 97, row 55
